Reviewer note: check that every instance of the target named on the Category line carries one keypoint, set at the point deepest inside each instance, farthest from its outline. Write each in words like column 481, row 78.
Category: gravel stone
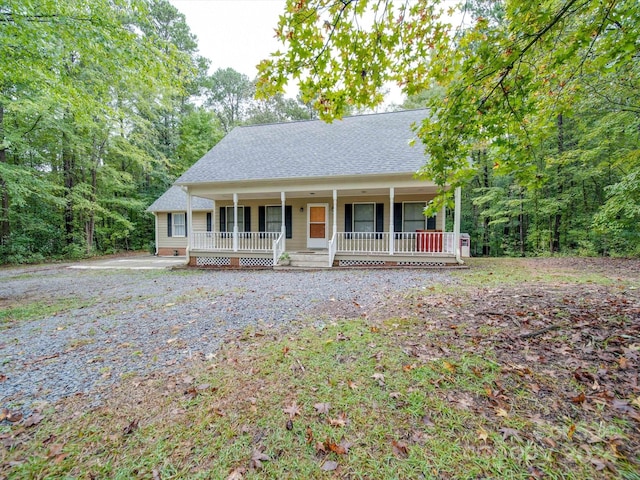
column 134, row 322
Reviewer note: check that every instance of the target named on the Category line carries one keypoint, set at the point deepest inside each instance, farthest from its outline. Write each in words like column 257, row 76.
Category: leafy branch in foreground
column 505, row 75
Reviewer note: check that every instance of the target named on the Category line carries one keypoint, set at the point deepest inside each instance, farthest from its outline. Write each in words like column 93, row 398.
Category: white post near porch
column 235, row 222
column 213, row 217
column 392, row 193
column 456, row 224
column 189, row 225
column 335, row 213
column 283, row 227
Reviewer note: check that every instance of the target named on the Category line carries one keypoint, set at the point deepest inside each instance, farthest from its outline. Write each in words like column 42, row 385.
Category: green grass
column 411, row 397
column 402, row 418
column 39, row 309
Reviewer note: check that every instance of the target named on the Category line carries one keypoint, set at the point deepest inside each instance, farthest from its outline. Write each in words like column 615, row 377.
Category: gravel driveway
column 124, row 322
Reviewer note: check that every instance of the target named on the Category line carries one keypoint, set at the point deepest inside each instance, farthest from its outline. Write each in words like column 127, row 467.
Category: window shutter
column 379, row 217
column 348, row 217
column 262, row 218
column 397, row 217
column 431, row 223
column 247, row 219
column 169, row 220
column 223, row 219
column 209, row 222
column 288, row 221
column 185, row 225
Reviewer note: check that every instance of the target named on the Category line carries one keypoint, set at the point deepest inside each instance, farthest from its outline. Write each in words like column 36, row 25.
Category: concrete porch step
column 309, row 259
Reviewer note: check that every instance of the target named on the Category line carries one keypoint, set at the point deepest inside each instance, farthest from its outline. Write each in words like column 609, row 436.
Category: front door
column 317, row 220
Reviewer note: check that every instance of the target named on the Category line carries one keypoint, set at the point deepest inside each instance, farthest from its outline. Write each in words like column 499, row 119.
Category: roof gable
column 359, row 145
column 175, row 200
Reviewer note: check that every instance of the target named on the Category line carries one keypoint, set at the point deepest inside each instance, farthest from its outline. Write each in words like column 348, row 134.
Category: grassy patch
column 35, row 310
column 352, row 393
column 508, row 375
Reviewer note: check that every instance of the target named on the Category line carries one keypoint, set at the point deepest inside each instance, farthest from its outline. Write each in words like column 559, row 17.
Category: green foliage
column 95, row 122
column 503, row 80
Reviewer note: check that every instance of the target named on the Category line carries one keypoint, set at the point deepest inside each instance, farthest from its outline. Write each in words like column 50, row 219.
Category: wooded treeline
column 102, row 105
column 534, row 107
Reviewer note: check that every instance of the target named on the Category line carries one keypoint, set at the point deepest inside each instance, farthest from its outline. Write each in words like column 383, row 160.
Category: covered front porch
column 369, row 225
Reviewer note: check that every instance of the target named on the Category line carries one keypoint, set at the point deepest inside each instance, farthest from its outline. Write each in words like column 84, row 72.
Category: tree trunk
column 557, row 222
column 486, row 238
column 5, row 227
column 67, row 172
column 521, row 222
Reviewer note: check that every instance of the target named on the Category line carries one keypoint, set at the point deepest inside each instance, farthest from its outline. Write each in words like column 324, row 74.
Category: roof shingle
column 358, row 145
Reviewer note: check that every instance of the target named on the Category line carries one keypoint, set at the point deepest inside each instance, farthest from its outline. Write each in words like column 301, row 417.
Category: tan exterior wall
column 166, row 245
column 299, row 218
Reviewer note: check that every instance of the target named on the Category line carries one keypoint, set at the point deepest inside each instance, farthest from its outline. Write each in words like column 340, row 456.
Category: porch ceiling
column 426, row 189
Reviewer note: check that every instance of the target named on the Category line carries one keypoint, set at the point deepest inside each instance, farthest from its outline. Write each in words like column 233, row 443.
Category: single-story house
column 317, row 194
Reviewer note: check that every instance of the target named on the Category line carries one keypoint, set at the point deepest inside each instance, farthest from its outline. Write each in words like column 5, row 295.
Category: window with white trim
column 229, row 218
column 273, row 218
column 413, row 216
column 178, row 221
column 364, row 217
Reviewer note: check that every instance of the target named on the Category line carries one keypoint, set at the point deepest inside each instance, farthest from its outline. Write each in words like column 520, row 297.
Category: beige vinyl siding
column 199, row 220
column 299, row 219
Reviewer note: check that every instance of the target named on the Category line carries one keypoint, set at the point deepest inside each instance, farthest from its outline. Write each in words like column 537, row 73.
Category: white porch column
column 235, row 222
column 456, row 224
column 392, row 229
column 155, row 217
column 213, row 217
column 189, row 225
column 335, row 212
column 283, row 227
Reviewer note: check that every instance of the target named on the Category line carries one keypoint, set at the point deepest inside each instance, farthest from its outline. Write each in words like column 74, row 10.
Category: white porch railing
column 420, row 243
column 356, row 243
column 278, row 248
column 223, row 241
column 332, row 248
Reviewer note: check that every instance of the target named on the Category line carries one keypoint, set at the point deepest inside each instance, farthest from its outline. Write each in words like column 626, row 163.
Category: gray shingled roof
column 359, row 145
column 175, row 200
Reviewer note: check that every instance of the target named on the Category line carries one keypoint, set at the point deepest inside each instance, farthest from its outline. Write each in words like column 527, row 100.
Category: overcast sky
column 233, row 33
column 240, row 33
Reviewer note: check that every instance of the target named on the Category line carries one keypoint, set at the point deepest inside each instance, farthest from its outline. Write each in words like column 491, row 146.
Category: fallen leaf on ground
column 579, row 398
column 237, row 474
column 483, row 434
column 257, row 458
column 292, row 410
column 309, row 435
column 507, row 433
column 329, row 466
column 449, row 366
column 289, row 424
column 322, row 408
column 400, row 449
column 341, row 421
column 132, row 427
column 352, row 385
column 501, row 412
column 335, row 448
column 379, row 377
column 33, row 419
